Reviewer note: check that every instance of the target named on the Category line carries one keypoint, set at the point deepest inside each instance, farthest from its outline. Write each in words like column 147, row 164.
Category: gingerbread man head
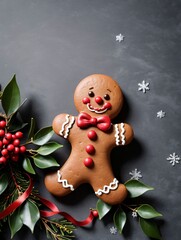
column 98, row 95
column 98, row 99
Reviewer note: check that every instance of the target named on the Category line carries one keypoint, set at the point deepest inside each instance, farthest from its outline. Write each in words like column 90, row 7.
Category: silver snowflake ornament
column 144, row 86
column 161, row 114
column 173, row 159
column 135, row 174
column 113, row 230
column 120, row 38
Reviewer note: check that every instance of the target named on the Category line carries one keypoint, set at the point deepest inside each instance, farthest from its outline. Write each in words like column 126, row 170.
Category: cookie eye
column 91, row 94
column 106, row 97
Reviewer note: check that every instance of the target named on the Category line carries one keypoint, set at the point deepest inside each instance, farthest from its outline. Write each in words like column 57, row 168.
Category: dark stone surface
column 52, row 44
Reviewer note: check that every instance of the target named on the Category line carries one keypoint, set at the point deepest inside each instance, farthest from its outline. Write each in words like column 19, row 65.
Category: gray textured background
column 52, row 44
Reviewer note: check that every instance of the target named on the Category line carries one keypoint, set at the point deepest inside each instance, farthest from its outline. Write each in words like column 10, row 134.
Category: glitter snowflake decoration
column 135, row 174
column 144, row 86
column 113, row 230
column 173, row 159
column 134, row 214
column 119, row 38
column 161, row 114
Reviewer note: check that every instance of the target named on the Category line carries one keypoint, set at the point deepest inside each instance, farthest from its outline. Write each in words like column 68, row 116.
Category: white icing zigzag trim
column 65, row 132
column 122, row 134
column 63, row 125
column 69, row 127
column 106, row 189
column 64, row 182
column 117, row 135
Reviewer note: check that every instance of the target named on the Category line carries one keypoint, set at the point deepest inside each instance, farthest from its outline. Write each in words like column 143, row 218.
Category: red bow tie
column 84, row 120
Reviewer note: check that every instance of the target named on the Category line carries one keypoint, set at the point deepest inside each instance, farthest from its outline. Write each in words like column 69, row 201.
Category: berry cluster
column 10, row 147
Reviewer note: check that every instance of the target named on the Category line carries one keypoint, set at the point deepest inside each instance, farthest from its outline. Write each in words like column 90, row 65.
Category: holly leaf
column 15, row 222
column 150, row 228
column 11, row 97
column 136, row 188
column 30, row 215
column 48, row 148
column 43, row 136
column 28, row 166
column 147, row 211
column 119, row 220
column 44, row 162
column 3, row 183
column 102, row 208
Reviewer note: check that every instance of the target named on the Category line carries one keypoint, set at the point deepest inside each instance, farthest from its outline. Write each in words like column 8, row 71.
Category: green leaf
column 136, row 188
column 32, row 128
column 45, row 162
column 150, row 228
column 43, row 136
column 48, row 148
column 30, row 215
column 102, row 208
column 15, row 222
column 28, row 166
column 119, row 220
column 16, row 122
column 3, row 183
column 11, row 97
column 146, row 211
column 17, row 127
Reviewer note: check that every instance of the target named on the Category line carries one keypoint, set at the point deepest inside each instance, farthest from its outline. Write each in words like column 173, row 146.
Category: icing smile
column 100, row 110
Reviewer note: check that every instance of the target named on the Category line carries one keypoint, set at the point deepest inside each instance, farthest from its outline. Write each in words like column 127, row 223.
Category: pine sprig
column 58, row 229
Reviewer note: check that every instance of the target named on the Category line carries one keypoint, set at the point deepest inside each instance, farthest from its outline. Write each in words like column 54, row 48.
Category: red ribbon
column 13, row 206
column 55, row 211
column 85, row 120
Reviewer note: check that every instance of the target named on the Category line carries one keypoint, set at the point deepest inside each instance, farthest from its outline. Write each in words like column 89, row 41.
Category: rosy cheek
column 108, row 105
column 86, row 100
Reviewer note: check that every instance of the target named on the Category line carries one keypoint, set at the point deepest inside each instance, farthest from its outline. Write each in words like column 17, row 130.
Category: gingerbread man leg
column 110, row 190
column 65, row 180
column 55, row 187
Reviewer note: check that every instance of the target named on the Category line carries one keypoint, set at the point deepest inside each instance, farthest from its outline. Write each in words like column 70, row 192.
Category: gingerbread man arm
column 62, row 124
column 123, row 134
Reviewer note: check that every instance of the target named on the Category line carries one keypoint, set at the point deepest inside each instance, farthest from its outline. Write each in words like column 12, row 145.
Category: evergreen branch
column 58, row 229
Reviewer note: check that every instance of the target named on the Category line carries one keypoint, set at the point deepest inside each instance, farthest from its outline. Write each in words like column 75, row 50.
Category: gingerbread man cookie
column 98, row 99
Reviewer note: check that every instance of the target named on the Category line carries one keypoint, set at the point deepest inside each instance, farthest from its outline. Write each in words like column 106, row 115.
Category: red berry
column 5, row 141
column 15, row 158
column 1, row 144
column 95, row 213
column 16, row 142
column 16, row 150
column 8, row 136
column 10, row 147
column 19, row 134
column 2, row 132
column 2, row 124
column 22, row 149
column 2, row 160
column 13, row 137
column 4, row 152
